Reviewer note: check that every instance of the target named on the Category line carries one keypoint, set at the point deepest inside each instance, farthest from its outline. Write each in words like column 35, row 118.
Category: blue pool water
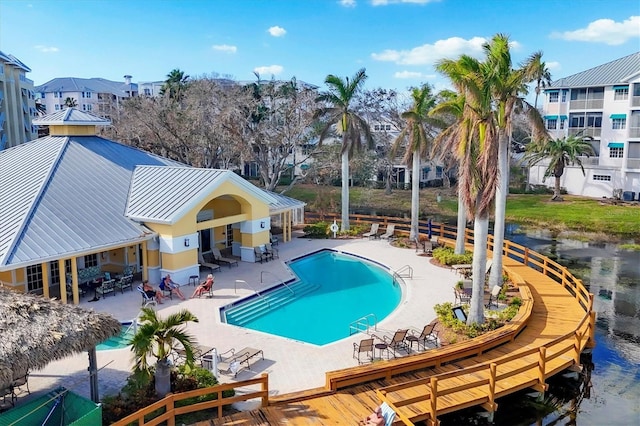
column 332, row 291
column 119, row 341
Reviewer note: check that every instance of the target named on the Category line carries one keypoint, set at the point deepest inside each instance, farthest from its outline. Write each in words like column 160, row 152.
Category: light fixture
column 261, row 224
column 186, row 242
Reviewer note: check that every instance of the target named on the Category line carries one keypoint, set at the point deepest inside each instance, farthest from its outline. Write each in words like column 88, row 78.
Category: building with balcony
column 95, row 95
column 17, row 103
column 602, row 104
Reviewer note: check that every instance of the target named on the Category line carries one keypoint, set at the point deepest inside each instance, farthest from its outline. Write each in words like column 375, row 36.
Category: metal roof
column 284, row 203
column 618, row 71
column 165, row 194
column 71, row 116
column 14, row 61
column 97, row 85
column 66, row 195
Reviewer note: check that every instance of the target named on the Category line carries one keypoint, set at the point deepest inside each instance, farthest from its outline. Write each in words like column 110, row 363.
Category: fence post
column 526, row 256
column 576, row 347
column 492, row 388
column 170, row 406
column 542, row 365
column 265, row 389
column 434, row 397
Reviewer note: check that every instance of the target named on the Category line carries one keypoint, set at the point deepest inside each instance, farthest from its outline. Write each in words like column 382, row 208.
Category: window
column 564, row 95
column 616, row 152
column 57, row 94
column 57, row 107
column 619, row 123
column 34, row 277
column 602, row 178
column 90, row 260
column 562, row 123
column 376, row 127
column 594, row 119
column 86, row 95
column 387, row 127
column 621, row 94
column 552, row 123
column 147, row 92
column 553, row 97
column 87, row 107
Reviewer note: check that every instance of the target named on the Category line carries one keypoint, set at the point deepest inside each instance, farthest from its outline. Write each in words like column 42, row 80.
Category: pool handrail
column 254, row 290
column 365, row 319
column 278, row 279
column 402, row 270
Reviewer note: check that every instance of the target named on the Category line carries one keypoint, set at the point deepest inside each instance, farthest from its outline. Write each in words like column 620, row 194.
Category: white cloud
column 604, row 31
column 269, row 70
column 347, row 3
column 277, row 31
column 225, row 48
column 407, row 74
column 431, row 53
column 46, row 49
column 553, row 65
column 387, row 2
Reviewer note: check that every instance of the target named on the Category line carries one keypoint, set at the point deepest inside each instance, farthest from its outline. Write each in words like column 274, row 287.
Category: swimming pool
column 333, row 290
column 119, row 341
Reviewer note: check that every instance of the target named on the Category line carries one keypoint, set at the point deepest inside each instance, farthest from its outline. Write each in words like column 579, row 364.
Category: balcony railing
column 586, row 104
column 634, row 132
column 589, row 161
column 594, row 132
column 635, row 101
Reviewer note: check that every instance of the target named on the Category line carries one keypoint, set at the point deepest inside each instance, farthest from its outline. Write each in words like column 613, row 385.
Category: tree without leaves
column 353, row 128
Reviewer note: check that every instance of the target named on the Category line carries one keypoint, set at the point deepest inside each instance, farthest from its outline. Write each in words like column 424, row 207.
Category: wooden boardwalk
column 550, row 338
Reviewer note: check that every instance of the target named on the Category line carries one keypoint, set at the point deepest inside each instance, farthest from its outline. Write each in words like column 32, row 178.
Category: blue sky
column 397, row 41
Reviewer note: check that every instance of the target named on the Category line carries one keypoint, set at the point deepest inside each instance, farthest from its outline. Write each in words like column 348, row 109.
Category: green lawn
column 575, row 213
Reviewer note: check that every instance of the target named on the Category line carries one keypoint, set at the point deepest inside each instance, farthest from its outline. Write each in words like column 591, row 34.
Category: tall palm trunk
column 462, row 224
column 480, row 233
column 345, row 191
column 495, row 278
column 415, row 197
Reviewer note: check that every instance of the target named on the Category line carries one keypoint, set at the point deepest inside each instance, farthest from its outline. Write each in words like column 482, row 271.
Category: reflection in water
column 608, row 390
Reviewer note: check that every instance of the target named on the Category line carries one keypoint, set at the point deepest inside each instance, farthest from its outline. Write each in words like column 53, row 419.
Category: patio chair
column 389, row 232
column 365, row 347
column 273, row 240
column 394, row 343
column 146, row 300
column 233, row 363
column 108, row 286
column 273, row 252
column 428, row 248
column 427, row 335
column 493, row 296
column 206, row 264
column 166, row 290
column 218, row 258
column 7, row 390
column 125, row 282
column 20, row 378
column 462, row 295
column 260, row 255
column 373, row 233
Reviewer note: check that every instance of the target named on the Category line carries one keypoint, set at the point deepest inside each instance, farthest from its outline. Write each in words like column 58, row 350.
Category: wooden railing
column 167, row 411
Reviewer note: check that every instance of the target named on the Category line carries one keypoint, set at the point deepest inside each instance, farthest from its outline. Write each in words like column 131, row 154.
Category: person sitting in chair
column 151, row 293
column 203, row 287
column 374, row 418
column 172, row 286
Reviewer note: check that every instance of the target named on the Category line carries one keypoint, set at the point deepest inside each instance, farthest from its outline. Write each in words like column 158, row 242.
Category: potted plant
column 157, row 337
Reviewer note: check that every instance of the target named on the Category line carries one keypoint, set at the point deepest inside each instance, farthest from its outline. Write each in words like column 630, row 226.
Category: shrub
column 446, row 256
column 317, row 230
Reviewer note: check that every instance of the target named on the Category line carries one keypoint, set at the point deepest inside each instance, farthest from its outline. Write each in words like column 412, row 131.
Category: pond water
column 609, row 392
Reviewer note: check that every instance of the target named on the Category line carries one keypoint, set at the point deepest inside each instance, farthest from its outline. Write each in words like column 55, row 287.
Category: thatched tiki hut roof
column 35, row 331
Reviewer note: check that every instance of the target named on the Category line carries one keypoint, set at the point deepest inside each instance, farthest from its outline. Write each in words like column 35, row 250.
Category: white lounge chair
column 389, row 232
column 218, row 258
column 373, row 232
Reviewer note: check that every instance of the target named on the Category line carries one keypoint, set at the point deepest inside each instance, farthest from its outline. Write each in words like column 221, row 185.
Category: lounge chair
column 219, row 259
column 394, row 343
column 365, row 347
column 389, row 232
column 204, row 263
column 260, row 255
column 146, row 300
column 387, row 414
column 373, row 233
column 427, row 335
column 428, row 248
column 234, row 362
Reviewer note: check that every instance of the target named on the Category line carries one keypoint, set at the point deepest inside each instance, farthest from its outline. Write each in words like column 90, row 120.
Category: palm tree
column 417, row 120
column 540, row 74
column 70, row 103
column 474, row 141
column 348, row 123
column 452, row 105
column 174, row 84
column 158, row 338
column 561, row 153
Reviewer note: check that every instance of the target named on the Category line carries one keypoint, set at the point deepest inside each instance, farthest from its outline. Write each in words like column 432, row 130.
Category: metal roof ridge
column 36, row 201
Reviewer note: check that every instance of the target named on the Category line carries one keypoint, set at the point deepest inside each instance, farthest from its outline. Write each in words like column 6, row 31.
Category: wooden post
column 576, row 347
column 542, row 364
column 45, row 283
column 434, row 399
column 592, row 329
column 525, row 261
column 492, row 388
column 265, row 389
column 171, row 421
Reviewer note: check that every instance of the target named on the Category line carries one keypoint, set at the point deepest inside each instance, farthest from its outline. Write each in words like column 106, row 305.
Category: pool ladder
column 277, row 278
column 235, row 287
column 363, row 324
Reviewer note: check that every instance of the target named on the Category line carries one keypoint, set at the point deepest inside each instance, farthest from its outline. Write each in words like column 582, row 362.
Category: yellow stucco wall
column 6, row 277
column 179, row 260
column 153, row 258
